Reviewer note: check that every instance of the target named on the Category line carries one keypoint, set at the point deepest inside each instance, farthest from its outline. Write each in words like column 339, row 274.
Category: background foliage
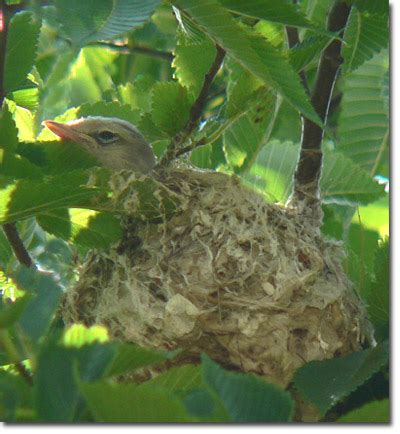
column 145, row 61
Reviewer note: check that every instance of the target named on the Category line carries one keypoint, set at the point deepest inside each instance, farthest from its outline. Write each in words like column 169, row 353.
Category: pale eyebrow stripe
column 131, row 129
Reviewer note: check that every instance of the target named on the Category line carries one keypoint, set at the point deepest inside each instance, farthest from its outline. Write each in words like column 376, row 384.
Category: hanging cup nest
column 219, row 270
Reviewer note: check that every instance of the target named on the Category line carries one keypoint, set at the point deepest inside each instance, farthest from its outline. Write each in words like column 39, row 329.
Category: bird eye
column 107, row 137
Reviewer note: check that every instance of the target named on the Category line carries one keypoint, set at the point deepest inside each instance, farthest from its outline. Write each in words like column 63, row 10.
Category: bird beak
column 65, row 131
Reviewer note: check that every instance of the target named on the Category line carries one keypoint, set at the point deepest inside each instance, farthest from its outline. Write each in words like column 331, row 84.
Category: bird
column 115, row 143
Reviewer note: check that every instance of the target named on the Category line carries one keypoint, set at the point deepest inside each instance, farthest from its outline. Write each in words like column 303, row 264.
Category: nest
column 227, row 273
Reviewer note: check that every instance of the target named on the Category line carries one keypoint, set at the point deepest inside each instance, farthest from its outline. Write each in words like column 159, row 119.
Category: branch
column 308, row 172
column 11, row 232
column 126, row 49
column 10, row 229
column 195, row 112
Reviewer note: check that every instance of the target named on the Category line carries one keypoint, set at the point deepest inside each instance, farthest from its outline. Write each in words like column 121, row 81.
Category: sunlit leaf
column 82, row 226
column 191, row 74
column 21, row 48
column 253, row 52
column 170, row 106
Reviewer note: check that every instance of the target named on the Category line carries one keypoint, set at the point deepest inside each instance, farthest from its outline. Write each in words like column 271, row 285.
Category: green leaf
column 8, row 132
column 378, row 296
column 15, row 394
column 245, row 137
column 78, row 335
column 273, row 170
column 28, row 197
column 327, row 382
column 373, row 6
column 54, row 158
column 40, row 309
column 246, row 397
column 130, row 357
column 170, row 106
column 27, row 98
column 308, row 50
column 361, row 244
column 242, row 90
column 61, row 367
column 137, row 93
column 129, row 403
column 84, row 227
column 95, row 20
column 191, row 74
column 270, row 10
column 373, row 412
column 343, row 182
column 179, row 378
column 10, row 312
column 21, row 49
column 375, row 216
column 253, row 52
column 363, row 125
column 90, row 75
column 365, row 35
column 106, row 109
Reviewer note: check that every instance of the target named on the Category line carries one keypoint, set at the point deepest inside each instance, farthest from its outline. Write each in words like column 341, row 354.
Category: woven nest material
column 228, row 274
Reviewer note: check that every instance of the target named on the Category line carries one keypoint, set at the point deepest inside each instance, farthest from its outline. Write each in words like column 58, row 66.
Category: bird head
column 115, row 143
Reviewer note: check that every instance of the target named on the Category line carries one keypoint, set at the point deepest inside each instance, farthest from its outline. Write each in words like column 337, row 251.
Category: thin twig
column 126, row 49
column 10, row 229
column 195, row 111
column 306, row 178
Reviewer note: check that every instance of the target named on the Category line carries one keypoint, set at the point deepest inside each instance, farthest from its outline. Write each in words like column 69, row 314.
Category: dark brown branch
column 11, row 232
column 306, row 179
column 126, row 49
column 195, row 112
column 10, row 229
column 25, row 374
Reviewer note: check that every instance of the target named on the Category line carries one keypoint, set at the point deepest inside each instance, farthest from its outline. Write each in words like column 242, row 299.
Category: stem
column 307, row 176
column 126, row 49
column 12, row 352
column 10, row 229
column 195, row 111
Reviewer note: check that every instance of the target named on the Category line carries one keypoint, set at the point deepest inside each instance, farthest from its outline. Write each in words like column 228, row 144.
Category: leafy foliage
column 90, row 21
column 373, row 412
column 146, row 61
column 340, row 376
column 21, row 49
column 252, row 52
column 366, row 34
column 363, row 121
column 246, row 398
